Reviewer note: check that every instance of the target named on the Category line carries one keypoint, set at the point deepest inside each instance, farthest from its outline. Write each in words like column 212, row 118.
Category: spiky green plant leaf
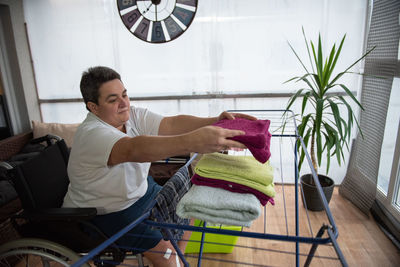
column 324, row 127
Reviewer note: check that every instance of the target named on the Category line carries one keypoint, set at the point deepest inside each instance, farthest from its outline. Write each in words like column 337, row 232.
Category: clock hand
column 148, row 8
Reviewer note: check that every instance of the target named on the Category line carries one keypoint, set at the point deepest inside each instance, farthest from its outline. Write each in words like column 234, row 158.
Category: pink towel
column 257, row 138
column 233, row 187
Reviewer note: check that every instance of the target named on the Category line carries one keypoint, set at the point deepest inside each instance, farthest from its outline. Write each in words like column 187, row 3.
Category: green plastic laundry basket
column 229, row 240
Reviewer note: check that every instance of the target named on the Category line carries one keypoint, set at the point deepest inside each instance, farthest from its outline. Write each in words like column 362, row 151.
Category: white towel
column 216, row 205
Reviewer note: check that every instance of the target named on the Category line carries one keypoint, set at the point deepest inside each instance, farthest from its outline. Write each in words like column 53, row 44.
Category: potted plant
column 323, row 126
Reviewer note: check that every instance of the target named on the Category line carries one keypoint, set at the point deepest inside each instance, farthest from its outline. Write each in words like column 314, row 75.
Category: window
column 233, row 47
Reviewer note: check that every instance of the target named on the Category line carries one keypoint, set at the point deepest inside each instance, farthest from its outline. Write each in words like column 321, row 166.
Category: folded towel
column 216, row 205
column 243, row 170
column 233, row 187
column 167, row 199
column 257, row 138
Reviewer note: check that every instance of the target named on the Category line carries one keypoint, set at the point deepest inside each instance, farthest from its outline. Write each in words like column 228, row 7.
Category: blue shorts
column 142, row 237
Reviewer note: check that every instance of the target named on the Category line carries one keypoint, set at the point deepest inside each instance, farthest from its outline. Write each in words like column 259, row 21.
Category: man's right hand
column 210, row 139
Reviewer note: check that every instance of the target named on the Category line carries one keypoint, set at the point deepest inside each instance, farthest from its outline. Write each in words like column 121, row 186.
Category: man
column 112, row 151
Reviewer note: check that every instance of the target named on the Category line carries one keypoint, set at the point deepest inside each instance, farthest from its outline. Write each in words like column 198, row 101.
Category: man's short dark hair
column 91, row 81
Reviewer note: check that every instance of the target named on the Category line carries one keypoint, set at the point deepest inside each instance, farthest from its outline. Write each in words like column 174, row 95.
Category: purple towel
column 233, row 187
column 257, row 138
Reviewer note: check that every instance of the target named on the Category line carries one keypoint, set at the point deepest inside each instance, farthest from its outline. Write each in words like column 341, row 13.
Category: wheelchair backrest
column 42, row 181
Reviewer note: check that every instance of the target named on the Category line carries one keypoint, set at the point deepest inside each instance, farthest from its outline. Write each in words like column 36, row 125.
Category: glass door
column 388, row 185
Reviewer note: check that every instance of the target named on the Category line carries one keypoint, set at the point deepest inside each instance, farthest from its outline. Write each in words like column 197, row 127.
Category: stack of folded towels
column 228, row 189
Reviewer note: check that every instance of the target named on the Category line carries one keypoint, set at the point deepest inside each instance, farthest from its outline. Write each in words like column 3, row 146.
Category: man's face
column 113, row 106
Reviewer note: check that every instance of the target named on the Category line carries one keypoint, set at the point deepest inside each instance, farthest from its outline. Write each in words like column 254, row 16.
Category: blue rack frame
column 330, row 229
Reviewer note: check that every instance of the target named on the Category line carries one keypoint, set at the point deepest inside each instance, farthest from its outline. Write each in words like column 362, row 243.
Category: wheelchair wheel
column 36, row 252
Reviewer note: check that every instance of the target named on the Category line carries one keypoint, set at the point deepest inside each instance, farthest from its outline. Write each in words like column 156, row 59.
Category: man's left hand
column 232, row 116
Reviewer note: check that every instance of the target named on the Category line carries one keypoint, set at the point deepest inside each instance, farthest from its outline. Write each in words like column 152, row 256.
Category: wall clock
column 157, row 21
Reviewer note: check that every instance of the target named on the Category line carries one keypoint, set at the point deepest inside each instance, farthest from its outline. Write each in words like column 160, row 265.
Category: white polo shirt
column 95, row 184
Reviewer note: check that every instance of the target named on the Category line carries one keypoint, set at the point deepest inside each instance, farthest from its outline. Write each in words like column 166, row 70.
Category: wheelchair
column 52, row 235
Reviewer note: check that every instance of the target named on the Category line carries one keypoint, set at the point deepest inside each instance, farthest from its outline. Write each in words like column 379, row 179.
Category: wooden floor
column 360, row 239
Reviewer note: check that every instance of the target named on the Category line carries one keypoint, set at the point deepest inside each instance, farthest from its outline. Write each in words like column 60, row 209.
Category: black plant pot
column 311, row 195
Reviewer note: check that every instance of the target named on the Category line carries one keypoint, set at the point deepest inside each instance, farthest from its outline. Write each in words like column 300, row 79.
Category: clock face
column 157, row 21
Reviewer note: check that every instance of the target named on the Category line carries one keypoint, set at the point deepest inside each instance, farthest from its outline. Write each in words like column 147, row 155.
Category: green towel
column 245, row 170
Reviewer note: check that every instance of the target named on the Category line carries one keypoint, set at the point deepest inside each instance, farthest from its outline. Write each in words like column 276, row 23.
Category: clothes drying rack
column 283, row 134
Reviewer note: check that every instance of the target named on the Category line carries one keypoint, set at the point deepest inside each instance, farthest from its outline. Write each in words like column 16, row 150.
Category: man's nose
column 122, row 102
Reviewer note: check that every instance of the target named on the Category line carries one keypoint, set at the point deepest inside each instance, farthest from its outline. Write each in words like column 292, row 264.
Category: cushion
column 64, row 130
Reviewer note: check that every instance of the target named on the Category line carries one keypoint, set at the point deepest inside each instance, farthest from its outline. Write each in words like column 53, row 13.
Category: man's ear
column 92, row 107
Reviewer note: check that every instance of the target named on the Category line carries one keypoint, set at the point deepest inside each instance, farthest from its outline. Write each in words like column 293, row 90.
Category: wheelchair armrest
column 64, row 214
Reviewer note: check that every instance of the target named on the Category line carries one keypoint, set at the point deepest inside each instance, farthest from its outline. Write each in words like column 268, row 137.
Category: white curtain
column 232, row 46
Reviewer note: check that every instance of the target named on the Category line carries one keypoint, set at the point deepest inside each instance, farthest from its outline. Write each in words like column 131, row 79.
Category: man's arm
column 151, row 148
column 181, row 124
